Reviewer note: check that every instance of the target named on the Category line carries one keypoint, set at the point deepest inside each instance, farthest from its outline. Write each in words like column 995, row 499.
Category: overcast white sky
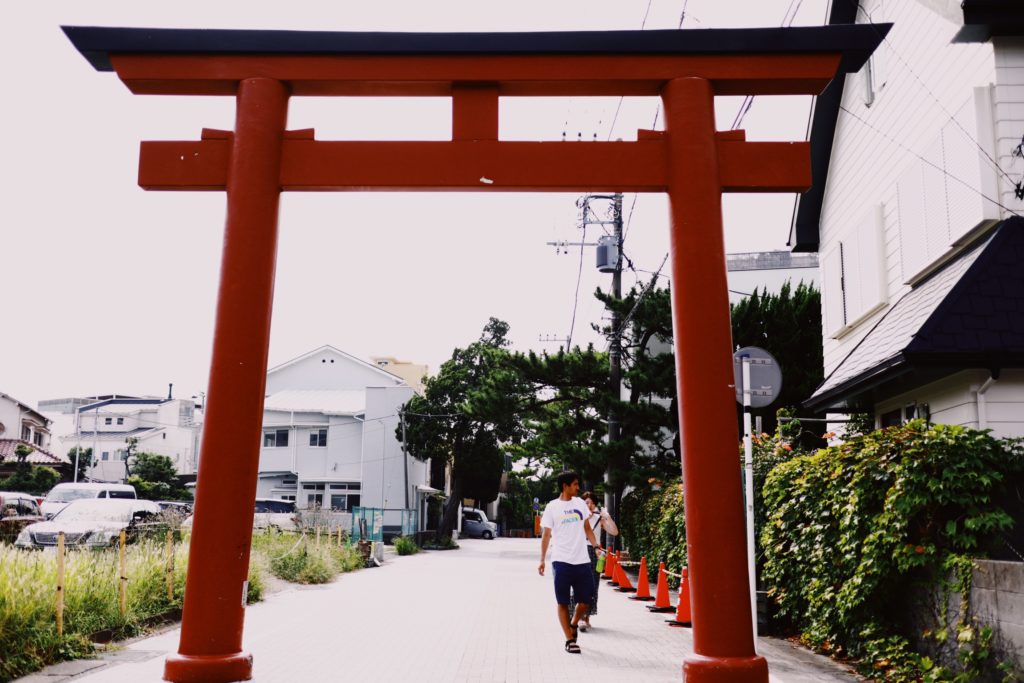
column 112, row 289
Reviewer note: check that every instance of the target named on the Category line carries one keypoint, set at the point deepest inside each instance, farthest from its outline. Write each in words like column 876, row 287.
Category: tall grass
column 28, row 581
column 301, row 560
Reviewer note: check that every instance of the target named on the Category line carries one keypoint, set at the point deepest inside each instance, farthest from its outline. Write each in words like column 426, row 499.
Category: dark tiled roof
column 968, row 314
column 37, row 457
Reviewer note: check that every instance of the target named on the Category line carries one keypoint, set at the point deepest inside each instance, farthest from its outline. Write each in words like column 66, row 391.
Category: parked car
column 62, row 494
column 17, row 511
column 274, row 513
column 269, row 513
column 179, row 506
column 91, row 523
column 476, row 524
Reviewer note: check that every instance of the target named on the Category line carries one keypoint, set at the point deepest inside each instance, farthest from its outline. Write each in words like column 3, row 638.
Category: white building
column 22, row 425
column 768, row 272
column 918, row 176
column 165, row 426
column 19, row 421
column 329, row 436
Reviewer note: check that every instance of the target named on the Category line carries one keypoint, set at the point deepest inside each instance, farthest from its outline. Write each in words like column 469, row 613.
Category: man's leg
column 563, row 620
column 581, row 612
column 563, row 586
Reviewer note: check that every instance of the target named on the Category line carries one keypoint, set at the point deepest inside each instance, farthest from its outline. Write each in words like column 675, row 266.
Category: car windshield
column 95, row 511
column 67, row 495
column 275, row 506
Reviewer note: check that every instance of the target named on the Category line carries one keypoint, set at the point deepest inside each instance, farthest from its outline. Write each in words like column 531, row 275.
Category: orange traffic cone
column 613, row 560
column 609, row 564
column 643, row 588
column 661, row 599
column 683, row 611
column 624, row 584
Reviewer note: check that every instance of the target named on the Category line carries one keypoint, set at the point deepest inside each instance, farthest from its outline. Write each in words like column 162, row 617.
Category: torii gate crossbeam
column 690, row 160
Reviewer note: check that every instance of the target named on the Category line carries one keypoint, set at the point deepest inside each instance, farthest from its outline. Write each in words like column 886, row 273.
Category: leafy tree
column 84, row 456
column 564, row 412
column 155, row 478
column 465, row 415
column 131, row 445
column 22, row 451
column 787, row 325
column 28, row 479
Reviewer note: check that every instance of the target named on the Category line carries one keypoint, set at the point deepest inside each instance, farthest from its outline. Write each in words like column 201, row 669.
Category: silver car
column 93, row 523
column 476, row 524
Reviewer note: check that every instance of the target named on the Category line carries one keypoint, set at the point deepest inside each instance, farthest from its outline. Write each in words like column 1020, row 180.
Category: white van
column 62, row 494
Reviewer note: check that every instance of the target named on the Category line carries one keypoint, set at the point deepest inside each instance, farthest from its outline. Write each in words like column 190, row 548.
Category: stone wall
column 997, row 599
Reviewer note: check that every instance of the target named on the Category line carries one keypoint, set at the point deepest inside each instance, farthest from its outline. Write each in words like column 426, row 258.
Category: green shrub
column 851, row 527
column 406, row 546
column 652, row 524
column 299, row 559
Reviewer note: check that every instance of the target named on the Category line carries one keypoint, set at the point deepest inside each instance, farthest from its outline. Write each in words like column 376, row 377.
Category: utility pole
column 611, row 499
column 405, row 459
column 615, row 356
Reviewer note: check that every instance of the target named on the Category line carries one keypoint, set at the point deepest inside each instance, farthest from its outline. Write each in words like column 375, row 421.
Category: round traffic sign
column 765, row 376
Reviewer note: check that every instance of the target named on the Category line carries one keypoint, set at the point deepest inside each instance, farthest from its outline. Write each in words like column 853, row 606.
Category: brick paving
column 477, row 614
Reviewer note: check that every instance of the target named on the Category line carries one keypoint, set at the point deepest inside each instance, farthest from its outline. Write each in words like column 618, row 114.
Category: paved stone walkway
column 476, row 614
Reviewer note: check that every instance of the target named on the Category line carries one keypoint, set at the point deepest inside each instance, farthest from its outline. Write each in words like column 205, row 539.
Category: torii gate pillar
column 690, row 161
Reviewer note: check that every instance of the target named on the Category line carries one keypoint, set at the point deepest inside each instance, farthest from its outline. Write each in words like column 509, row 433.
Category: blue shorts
column 578, row 577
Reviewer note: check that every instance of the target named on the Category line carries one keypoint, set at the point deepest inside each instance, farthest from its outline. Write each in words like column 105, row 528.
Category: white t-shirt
column 568, row 539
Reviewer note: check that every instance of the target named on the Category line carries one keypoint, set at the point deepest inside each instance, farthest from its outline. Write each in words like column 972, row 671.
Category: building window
column 108, row 420
column 339, row 502
column 318, row 438
column 312, row 487
column 276, row 438
column 106, row 455
column 26, row 433
column 37, row 439
column 120, row 420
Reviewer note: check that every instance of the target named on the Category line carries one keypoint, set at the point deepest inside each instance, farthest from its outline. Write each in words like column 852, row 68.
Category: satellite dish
column 765, row 376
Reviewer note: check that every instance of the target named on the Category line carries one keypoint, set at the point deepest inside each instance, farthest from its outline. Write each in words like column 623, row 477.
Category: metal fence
column 383, row 524
column 367, row 524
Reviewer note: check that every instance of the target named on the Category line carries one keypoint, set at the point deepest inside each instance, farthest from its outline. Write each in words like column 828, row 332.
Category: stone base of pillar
column 701, row 669
column 228, row 668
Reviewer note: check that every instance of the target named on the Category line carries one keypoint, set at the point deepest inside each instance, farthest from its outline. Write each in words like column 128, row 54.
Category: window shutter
column 832, row 290
column 913, row 242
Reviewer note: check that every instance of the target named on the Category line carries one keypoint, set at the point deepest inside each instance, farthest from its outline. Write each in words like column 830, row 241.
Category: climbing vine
column 851, row 528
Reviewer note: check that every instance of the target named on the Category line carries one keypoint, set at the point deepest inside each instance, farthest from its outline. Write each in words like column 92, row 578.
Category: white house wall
column 383, row 462
column 918, row 65
column 954, row 400
column 1008, row 103
column 319, row 372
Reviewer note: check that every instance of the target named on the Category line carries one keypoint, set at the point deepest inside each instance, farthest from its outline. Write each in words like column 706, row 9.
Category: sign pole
column 748, row 463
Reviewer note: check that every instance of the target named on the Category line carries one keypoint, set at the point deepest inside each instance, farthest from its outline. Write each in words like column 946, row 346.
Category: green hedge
column 851, row 528
column 652, row 524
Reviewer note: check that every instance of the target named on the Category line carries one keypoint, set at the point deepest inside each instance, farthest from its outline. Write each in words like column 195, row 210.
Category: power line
column 924, row 86
column 930, row 163
column 576, row 298
column 748, row 100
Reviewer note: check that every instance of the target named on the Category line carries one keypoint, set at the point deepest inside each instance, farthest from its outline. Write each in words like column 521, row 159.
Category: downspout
column 980, row 399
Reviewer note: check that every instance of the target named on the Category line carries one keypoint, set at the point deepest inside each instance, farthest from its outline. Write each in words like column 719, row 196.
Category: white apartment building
column 329, row 425
column 165, row 426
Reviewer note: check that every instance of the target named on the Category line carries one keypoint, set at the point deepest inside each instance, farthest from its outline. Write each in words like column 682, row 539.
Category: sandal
column 571, row 647
column 584, row 626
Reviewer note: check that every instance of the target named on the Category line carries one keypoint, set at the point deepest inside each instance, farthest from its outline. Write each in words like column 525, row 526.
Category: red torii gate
column 691, row 161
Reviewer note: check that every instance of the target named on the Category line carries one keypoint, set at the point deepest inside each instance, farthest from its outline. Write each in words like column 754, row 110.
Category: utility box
column 607, row 254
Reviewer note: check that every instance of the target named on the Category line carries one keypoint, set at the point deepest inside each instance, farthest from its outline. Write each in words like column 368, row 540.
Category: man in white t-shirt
column 563, row 521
